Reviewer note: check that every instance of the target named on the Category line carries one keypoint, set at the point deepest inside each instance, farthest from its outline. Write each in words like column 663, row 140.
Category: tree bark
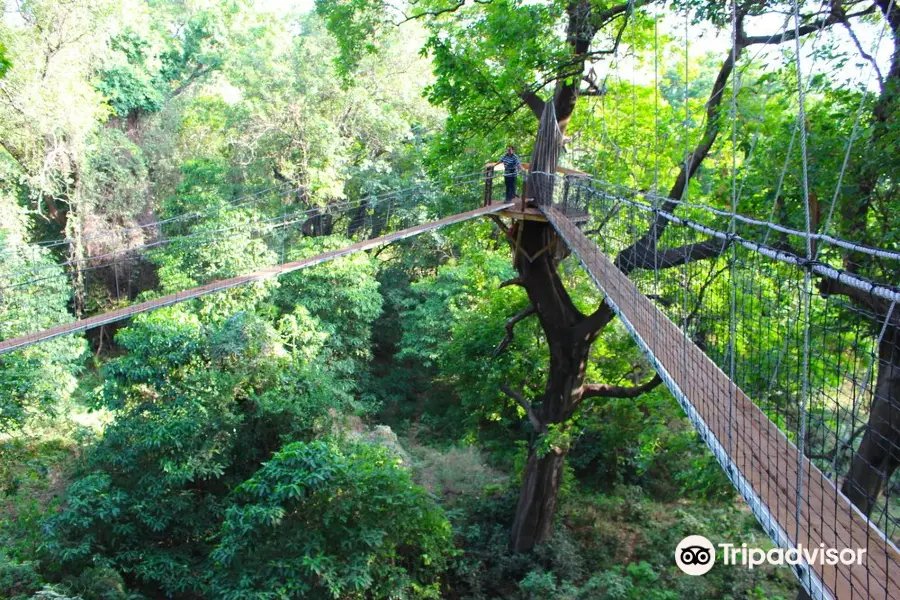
column 533, row 523
column 570, row 346
column 879, row 452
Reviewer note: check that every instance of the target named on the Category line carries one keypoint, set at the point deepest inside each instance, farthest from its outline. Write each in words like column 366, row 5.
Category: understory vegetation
column 343, row 431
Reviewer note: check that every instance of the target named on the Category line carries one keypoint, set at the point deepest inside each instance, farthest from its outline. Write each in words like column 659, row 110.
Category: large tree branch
column 198, row 72
column 529, row 96
column 510, row 325
column 509, row 282
column 525, row 404
column 596, row 321
column 603, row 17
column 533, row 101
column 878, row 305
column 651, row 259
column 602, row 390
column 790, row 34
column 646, row 245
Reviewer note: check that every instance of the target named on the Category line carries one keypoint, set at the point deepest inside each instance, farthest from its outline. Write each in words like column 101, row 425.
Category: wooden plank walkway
column 759, row 459
column 216, row 286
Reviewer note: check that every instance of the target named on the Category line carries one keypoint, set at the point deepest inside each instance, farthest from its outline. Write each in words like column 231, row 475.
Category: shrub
column 609, row 585
column 457, row 472
column 321, row 521
column 538, row 584
column 17, row 579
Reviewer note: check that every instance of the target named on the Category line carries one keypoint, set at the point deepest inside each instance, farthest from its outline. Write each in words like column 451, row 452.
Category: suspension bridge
column 784, row 357
column 797, row 505
column 127, row 312
column 763, row 447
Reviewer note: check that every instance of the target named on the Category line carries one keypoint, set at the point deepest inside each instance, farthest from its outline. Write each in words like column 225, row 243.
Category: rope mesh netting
column 823, row 366
column 778, row 336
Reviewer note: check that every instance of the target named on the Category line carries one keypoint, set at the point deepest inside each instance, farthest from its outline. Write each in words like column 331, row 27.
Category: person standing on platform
column 511, row 167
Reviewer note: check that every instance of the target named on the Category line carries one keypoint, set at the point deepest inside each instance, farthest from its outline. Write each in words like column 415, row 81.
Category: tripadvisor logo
column 695, row 555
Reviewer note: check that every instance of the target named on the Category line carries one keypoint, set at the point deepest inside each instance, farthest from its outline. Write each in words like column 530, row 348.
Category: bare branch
column 602, row 390
column 434, row 13
column 868, row 57
column 532, row 418
column 790, row 34
column 711, row 247
column 509, row 282
column 510, row 325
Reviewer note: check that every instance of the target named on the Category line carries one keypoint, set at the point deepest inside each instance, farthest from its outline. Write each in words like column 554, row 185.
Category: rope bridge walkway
column 758, row 458
column 408, row 213
column 217, row 286
column 732, row 335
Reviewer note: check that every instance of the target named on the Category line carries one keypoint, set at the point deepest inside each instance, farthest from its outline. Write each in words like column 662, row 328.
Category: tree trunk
column 877, row 457
column 533, row 523
column 569, row 342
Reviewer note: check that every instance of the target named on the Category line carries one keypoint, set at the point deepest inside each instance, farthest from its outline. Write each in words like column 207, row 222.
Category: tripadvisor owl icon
column 695, row 555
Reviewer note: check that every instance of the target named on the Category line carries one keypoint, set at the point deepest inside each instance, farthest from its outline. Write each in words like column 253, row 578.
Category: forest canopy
column 437, row 417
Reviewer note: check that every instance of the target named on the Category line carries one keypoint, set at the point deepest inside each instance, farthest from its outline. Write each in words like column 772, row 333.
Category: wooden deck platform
column 533, row 213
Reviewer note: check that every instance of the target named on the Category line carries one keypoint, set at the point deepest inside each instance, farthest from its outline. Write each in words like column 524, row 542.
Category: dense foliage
column 342, row 431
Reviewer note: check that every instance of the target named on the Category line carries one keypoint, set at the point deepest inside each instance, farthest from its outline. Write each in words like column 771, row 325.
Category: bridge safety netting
column 811, row 342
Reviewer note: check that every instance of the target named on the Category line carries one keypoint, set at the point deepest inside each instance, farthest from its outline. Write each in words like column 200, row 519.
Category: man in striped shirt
column 511, row 166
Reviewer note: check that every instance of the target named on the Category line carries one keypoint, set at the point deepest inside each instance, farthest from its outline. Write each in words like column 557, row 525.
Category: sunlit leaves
column 4, row 62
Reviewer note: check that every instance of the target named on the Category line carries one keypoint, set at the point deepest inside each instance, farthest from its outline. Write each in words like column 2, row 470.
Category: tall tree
column 870, row 216
column 495, row 59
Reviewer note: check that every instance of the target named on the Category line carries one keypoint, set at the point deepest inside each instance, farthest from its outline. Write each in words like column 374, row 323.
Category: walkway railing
column 493, row 171
column 789, row 386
